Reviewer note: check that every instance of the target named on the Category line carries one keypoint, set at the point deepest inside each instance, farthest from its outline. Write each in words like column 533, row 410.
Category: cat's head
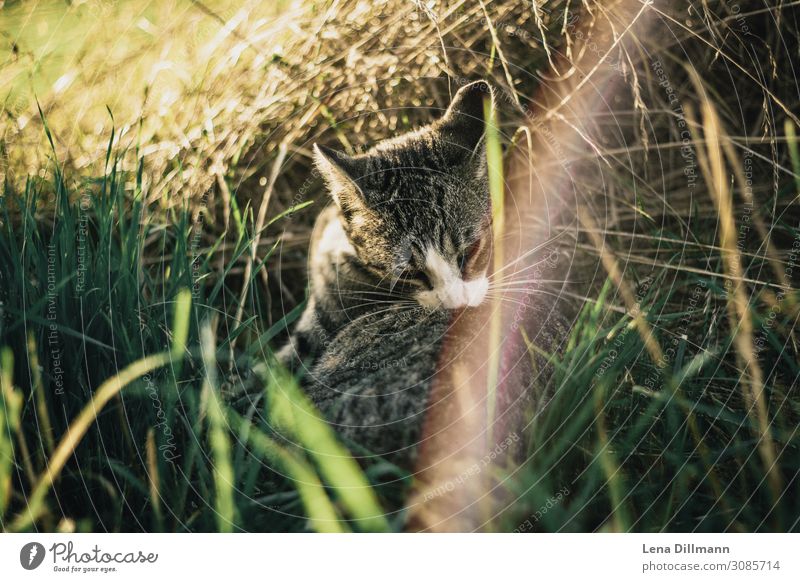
column 416, row 208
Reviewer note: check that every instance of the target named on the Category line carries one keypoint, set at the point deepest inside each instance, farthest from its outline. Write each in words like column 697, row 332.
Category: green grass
column 677, row 454
column 97, row 321
column 637, row 446
column 120, row 350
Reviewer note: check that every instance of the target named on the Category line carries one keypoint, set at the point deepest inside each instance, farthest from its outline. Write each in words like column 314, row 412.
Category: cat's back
column 373, row 381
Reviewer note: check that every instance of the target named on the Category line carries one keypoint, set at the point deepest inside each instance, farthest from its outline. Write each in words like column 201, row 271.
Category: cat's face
column 416, row 208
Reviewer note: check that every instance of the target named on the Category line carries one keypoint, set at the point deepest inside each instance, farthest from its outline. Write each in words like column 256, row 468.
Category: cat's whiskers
column 374, row 287
column 526, row 284
column 398, row 309
column 375, row 296
column 507, row 276
column 368, row 301
column 350, row 309
column 511, row 300
column 531, row 251
column 361, row 283
column 502, row 295
column 346, row 291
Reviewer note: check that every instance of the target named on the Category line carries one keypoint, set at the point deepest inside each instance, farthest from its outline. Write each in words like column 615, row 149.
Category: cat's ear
column 463, row 124
column 342, row 174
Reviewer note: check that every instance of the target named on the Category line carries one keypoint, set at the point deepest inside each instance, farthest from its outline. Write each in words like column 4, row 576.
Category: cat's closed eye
column 415, row 276
column 416, row 209
column 470, row 257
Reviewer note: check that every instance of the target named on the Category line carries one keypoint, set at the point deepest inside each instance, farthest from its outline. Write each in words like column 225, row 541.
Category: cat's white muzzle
column 449, row 289
column 456, row 294
column 465, row 293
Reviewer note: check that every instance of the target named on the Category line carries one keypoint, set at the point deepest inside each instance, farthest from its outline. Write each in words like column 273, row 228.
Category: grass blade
column 291, row 411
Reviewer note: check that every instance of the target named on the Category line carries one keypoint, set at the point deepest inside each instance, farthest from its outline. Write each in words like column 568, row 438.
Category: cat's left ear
column 342, row 173
column 463, row 124
column 337, row 165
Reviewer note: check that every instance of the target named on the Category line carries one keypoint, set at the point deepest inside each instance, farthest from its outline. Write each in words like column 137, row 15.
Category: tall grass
column 144, row 280
column 649, row 448
column 145, row 437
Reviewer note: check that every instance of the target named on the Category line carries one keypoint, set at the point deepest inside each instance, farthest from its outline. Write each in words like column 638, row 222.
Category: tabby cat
column 403, row 248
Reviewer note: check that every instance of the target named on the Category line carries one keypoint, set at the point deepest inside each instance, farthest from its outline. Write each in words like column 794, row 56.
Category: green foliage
column 80, row 311
column 643, row 447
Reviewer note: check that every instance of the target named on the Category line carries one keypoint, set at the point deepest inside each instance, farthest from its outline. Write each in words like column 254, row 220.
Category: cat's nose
column 463, row 293
column 453, row 296
column 456, row 294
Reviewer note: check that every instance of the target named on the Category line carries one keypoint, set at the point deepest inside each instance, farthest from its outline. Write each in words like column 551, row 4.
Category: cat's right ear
column 463, row 123
column 342, row 174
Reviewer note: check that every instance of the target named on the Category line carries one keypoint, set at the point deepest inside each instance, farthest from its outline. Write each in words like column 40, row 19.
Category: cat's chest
column 330, row 248
column 333, row 245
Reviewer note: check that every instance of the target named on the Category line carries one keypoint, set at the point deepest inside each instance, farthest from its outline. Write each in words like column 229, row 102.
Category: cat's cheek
column 428, row 299
column 476, row 291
